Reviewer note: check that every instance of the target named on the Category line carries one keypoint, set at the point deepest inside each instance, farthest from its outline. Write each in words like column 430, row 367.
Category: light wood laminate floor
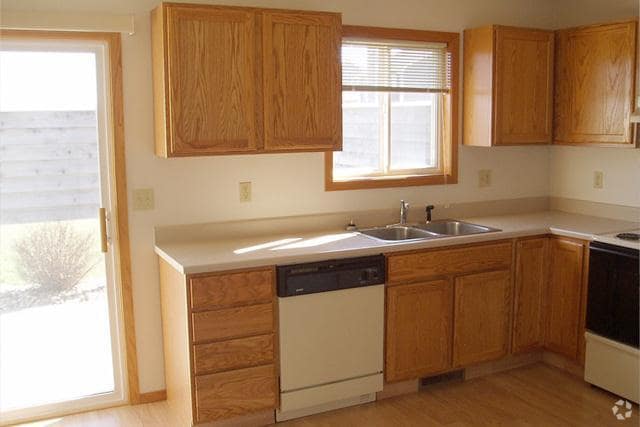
column 535, row 395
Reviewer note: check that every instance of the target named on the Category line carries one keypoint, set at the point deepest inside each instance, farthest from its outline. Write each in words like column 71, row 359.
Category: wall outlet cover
column 484, row 178
column 598, row 180
column 143, row 199
column 245, row 191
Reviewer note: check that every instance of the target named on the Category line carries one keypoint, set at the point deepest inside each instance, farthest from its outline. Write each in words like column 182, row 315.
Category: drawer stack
column 233, row 343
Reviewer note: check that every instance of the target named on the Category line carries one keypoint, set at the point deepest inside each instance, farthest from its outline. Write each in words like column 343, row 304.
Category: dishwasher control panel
column 332, row 275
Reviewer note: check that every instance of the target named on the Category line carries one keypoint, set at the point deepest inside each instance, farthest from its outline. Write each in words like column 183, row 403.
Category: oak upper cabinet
column 205, row 80
column 595, row 79
column 234, row 80
column 302, row 81
column 564, row 296
column 418, row 332
column 508, row 86
column 482, row 317
column 530, row 286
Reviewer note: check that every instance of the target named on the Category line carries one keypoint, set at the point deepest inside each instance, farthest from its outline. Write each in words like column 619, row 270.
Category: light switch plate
column 143, row 199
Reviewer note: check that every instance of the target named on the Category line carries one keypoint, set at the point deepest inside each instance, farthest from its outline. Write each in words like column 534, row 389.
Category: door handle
column 104, row 247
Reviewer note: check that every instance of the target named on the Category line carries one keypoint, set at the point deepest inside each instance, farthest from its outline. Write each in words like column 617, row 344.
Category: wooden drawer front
column 232, row 323
column 233, row 354
column 224, row 290
column 403, row 268
column 234, row 393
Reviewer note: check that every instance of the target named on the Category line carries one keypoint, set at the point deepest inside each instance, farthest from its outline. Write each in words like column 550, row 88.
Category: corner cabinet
column 550, row 295
column 595, row 84
column 232, row 80
column 530, row 289
column 564, row 297
column 508, row 86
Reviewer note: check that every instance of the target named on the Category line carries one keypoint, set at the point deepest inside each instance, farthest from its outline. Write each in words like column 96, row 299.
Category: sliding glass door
column 60, row 334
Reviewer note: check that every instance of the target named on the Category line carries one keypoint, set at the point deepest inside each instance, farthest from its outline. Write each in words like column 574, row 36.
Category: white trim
column 67, row 21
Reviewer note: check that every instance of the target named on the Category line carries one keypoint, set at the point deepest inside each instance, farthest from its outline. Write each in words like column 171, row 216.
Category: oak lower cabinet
column 594, row 84
column 419, row 327
column 482, row 317
column 529, row 294
column 236, row 80
column 447, row 308
column 508, row 86
column 564, row 296
column 220, row 335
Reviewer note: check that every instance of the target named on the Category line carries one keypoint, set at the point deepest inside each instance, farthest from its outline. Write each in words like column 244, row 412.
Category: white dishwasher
column 331, row 321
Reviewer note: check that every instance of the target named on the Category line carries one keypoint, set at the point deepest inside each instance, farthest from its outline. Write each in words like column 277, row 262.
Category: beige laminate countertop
column 208, row 255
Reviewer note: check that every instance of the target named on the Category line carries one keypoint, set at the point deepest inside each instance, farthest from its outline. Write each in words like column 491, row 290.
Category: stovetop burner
column 629, row 236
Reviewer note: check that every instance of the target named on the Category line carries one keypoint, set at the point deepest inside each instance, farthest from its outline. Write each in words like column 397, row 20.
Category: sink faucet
column 429, row 209
column 404, row 211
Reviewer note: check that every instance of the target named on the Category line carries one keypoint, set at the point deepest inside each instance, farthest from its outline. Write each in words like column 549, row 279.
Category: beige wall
column 290, row 183
column 572, row 167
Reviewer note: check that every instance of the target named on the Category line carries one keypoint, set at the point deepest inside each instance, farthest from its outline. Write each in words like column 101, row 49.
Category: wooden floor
column 535, row 395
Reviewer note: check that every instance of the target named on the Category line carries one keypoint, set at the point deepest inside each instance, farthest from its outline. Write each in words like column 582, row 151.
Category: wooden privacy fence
column 49, row 166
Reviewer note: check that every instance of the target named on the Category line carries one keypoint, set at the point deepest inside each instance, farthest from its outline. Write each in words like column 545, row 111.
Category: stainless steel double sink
column 431, row 230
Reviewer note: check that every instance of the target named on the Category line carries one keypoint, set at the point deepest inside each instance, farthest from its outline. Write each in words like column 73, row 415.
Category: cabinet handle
column 103, row 230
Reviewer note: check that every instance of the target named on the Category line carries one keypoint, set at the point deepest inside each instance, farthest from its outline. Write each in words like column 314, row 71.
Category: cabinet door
column 531, row 279
column 595, row 84
column 564, row 296
column 211, row 57
column 523, row 86
column 419, row 322
column 482, row 316
column 302, row 81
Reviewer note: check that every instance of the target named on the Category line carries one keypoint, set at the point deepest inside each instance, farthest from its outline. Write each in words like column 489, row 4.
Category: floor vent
column 442, row 378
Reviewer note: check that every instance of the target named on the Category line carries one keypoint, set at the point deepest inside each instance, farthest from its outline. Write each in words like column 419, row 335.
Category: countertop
column 212, row 254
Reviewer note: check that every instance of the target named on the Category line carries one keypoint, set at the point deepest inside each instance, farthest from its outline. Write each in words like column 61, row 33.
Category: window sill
column 388, row 182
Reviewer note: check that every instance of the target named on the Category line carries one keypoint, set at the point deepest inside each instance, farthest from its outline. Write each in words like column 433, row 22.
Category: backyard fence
column 48, row 166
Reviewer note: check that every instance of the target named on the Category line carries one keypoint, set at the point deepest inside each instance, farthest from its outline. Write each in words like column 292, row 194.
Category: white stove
column 625, row 238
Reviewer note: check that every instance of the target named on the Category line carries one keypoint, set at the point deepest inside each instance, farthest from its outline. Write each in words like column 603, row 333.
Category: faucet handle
column 429, row 208
column 404, row 204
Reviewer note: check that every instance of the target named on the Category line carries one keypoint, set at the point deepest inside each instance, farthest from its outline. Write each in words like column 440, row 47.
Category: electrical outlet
column 484, row 178
column 598, row 179
column 245, row 191
column 143, row 199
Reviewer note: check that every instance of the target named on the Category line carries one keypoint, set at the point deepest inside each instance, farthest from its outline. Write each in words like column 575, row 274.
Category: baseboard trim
column 152, row 396
column 563, row 363
column 255, row 419
column 505, row 364
column 398, row 389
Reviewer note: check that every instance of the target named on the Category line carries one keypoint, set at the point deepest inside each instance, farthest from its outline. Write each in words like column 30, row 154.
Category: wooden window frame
column 123, row 259
column 449, row 174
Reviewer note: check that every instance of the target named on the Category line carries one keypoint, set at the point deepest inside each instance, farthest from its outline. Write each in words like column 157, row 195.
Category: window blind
column 395, row 66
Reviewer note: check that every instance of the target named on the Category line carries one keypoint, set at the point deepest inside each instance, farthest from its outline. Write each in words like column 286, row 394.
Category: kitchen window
column 399, row 105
